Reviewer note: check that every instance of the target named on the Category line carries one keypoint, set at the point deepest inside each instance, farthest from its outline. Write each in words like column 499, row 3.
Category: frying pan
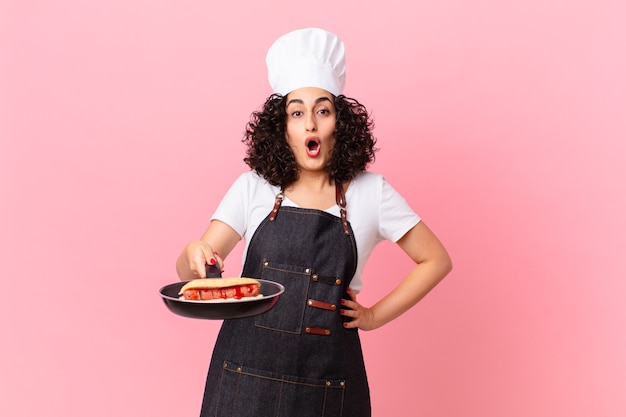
column 222, row 310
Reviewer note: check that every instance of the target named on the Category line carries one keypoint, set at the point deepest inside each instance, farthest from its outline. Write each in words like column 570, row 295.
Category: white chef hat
column 307, row 58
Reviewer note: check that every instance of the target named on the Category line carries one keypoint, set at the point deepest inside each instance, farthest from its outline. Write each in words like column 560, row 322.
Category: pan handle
column 213, row 271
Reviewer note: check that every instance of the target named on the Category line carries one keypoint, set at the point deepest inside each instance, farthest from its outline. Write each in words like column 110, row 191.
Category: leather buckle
column 321, row 304
column 317, row 330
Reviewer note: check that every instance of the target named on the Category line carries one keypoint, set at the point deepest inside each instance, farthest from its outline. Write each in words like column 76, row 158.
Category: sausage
column 236, row 292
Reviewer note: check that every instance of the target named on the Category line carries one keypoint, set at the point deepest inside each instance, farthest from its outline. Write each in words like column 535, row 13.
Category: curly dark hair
column 269, row 154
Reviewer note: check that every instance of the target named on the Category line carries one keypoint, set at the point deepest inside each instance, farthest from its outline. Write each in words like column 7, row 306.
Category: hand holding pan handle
column 213, row 271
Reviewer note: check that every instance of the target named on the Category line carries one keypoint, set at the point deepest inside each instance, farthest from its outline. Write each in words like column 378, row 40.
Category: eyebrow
column 300, row 101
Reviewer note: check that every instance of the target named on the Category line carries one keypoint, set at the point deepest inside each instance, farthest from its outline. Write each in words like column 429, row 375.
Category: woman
column 310, row 215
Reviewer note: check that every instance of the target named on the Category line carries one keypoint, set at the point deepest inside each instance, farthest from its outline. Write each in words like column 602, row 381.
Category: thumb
column 201, row 259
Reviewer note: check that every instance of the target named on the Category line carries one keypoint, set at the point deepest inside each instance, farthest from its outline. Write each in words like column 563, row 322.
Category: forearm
column 216, row 243
column 420, row 281
column 432, row 265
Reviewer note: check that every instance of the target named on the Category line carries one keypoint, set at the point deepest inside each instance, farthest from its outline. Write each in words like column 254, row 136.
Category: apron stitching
column 237, row 392
column 219, row 392
column 280, row 398
column 323, row 383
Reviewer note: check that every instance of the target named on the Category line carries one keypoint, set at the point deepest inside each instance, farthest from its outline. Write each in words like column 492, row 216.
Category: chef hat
column 307, row 58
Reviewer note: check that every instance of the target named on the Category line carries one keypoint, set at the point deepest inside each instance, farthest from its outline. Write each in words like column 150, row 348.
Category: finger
column 351, row 324
column 211, row 258
column 349, row 304
column 348, row 313
column 198, row 266
column 196, row 270
column 219, row 260
column 204, row 256
column 351, row 293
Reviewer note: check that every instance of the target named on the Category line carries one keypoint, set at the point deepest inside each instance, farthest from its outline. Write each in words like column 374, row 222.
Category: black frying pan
column 221, row 310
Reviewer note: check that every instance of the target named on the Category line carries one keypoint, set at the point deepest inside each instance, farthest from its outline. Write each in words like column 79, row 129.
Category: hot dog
column 220, row 288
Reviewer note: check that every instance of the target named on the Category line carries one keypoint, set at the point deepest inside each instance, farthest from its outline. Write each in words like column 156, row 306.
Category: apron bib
column 297, row 360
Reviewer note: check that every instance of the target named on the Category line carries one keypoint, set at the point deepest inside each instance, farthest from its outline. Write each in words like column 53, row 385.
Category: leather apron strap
column 340, row 198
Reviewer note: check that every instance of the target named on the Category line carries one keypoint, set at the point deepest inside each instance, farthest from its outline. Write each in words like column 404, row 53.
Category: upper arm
column 421, row 244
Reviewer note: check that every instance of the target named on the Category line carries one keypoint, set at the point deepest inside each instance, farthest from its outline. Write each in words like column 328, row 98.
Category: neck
column 312, row 181
column 312, row 191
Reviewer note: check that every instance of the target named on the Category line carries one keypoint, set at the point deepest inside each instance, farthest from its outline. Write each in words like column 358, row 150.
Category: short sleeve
column 396, row 217
column 233, row 208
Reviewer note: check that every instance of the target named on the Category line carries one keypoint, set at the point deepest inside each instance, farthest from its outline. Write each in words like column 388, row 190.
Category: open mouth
column 312, row 146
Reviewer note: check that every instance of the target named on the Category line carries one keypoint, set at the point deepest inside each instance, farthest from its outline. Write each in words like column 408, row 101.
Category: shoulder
column 252, row 182
column 257, row 192
column 374, row 185
column 250, row 177
column 366, row 181
column 368, row 185
column 249, row 199
column 380, row 203
column 364, row 196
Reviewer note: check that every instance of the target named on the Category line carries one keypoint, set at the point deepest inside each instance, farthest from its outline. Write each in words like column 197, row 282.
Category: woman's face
column 310, row 127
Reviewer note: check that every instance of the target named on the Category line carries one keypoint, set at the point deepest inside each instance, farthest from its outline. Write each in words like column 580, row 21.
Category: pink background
column 502, row 122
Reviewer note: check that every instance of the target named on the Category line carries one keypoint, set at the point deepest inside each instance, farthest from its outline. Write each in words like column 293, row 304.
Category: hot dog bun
column 212, row 283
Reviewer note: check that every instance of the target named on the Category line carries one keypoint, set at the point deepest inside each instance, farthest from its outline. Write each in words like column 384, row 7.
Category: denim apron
column 297, row 360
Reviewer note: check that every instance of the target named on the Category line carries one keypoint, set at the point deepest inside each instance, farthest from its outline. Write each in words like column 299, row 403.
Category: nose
column 310, row 123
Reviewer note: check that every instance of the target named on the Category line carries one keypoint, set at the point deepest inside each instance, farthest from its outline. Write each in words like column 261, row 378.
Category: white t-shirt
column 376, row 212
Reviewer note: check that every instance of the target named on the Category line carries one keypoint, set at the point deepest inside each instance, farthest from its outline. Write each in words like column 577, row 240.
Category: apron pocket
column 249, row 392
column 288, row 313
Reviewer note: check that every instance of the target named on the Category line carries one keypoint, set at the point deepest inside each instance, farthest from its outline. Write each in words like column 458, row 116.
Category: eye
column 296, row 113
column 324, row 111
